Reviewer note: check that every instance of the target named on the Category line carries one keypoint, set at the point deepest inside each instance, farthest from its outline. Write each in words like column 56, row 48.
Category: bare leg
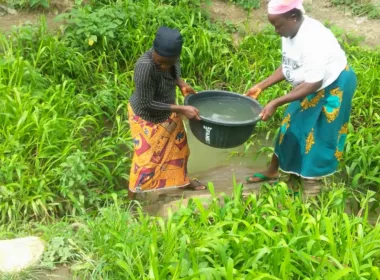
column 271, row 172
column 131, row 195
column 195, row 185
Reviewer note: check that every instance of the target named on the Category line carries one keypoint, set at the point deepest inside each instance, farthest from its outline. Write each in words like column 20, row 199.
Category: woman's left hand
column 268, row 111
column 186, row 89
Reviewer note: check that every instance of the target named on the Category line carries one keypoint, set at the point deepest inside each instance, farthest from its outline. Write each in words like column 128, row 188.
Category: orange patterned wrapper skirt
column 160, row 155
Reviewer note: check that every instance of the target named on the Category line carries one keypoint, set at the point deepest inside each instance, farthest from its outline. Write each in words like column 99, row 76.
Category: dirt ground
column 61, row 273
column 9, row 20
column 223, row 10
column 320, row 10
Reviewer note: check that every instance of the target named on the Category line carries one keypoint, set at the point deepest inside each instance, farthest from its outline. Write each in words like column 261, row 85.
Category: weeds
column 238, row 239
column 247, row 4
column 20, row 4
column 266, row 236
column 64, row 137
column 360, row 7
column 65, row 150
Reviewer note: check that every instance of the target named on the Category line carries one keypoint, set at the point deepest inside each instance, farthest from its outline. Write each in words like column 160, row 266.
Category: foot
column 195, row 185
column 131, row 195
column 262, row 177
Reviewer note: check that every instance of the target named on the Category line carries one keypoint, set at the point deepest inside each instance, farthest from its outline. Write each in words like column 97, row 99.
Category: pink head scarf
column 279, row 7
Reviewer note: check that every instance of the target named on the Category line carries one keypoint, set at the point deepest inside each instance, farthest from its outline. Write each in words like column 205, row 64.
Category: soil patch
column 256, row 20
column 8, row 22
column 222, row 10
column 361, row 26
column 61, row 273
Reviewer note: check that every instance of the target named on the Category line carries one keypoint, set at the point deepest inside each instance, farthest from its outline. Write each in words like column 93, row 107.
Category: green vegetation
column 248, row 4
column 65, row 151
column 28, row 3
column 270, row 236
column 360, row 7
column 64, row 136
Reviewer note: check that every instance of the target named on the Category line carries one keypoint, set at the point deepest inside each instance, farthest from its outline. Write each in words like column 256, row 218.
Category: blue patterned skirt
column 313, row 132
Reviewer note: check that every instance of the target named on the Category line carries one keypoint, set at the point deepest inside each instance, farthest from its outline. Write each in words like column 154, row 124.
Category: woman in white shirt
column 314, row 129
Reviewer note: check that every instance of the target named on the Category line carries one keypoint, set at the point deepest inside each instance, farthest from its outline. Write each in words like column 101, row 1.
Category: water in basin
column 226, row 109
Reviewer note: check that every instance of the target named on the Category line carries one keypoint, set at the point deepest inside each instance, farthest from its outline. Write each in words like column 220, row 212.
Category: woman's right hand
column 191, row 112
column 254, row 92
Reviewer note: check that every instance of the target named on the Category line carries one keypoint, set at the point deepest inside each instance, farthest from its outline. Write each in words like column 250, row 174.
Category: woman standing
column 161, row 151
column 314, row 128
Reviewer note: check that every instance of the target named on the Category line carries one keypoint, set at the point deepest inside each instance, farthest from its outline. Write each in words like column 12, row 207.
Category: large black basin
column 223, row 134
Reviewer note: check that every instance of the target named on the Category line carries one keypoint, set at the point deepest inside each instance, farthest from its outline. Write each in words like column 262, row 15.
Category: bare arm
column 189, row 111
column 177, row 109
column 180, row 83
column 298, row 93
column 273, row 79
column 183, row 86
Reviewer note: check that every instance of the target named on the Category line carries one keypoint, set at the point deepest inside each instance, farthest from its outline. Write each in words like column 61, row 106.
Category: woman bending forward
column 311, row 139
column 161, row 151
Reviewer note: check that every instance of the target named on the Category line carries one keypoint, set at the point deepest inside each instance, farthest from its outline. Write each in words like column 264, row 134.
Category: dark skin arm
column 190, row 112
column 185, row 88
column 273, row 79
column 297, row 93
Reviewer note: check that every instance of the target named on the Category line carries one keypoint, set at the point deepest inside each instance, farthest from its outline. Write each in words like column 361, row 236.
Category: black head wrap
column 168, row 42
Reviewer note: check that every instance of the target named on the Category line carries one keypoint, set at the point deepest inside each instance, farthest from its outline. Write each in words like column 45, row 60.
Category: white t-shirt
column 314, row 54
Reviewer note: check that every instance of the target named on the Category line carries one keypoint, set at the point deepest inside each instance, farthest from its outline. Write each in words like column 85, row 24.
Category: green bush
column 360, row 7
column 248, row 4
column 64, row 136
column 270, row 236
column 29, row 3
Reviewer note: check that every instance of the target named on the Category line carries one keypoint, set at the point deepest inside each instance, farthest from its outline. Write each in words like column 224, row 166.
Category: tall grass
column 271, row 236
column 360, row 7
column 64, row 137
column 247, row 4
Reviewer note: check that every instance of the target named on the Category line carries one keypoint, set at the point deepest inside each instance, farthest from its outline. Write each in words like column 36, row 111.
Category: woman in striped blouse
column 161, row 151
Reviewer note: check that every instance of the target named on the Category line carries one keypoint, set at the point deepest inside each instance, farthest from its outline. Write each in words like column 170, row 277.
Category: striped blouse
column 155, row 89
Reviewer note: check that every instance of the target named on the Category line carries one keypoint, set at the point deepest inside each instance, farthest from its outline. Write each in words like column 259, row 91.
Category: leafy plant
column 59, row 251
column 96, row 26
column 65, row 143
column 360, row 7
column 29, row 3
column 270, row 236
column 248, row 4
column 36, row 3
